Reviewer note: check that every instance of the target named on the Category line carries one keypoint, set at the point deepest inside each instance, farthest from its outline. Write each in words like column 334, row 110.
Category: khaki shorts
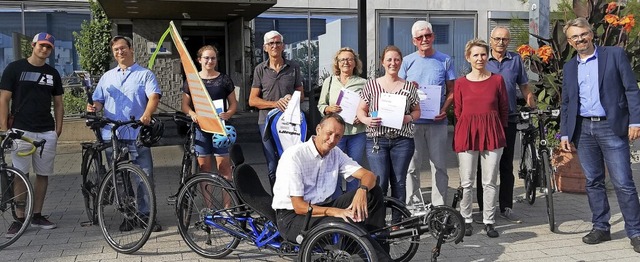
column 42, row 165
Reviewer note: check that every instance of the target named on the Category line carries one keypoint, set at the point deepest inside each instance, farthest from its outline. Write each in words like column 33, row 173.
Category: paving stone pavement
column 528, row 241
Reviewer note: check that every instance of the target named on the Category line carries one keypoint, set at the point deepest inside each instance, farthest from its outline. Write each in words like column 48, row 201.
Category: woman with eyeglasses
column 481, row 109
column 346, row 68
column 220, row 87
column 389, row 150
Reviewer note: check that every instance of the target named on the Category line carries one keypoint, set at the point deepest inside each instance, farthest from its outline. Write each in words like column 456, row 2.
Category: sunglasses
column 423, row 37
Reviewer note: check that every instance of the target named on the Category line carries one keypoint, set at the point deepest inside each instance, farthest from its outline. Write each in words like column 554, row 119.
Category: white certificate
column 391, row 109
column 429, row 101
column 348, row 100
column 219, row 105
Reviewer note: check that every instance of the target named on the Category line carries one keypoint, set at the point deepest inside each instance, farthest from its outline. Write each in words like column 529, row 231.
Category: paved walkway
column 529, row 241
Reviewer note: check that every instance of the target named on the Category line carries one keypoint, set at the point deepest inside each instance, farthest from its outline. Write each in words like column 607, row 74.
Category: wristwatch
column 366, row 189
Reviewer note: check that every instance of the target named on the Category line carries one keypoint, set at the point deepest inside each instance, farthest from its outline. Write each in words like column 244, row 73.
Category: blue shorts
column 204, row 145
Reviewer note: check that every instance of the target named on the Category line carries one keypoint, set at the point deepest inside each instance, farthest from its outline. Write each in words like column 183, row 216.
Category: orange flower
column 545, row 53
column 612, row 19
column 611, row 6
column 627, row 22
column 525, row 51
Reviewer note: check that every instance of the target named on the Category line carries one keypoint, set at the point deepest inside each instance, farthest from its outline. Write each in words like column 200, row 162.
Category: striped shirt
column 370, row 94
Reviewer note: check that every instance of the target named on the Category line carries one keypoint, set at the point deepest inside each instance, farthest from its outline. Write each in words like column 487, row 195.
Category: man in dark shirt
column 31, row 85
column 274, row 81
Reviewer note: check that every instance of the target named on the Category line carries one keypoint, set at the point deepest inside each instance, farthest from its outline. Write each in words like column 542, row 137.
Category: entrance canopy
column 199, row 10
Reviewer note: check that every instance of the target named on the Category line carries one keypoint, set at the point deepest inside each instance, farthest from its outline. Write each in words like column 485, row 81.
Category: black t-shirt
column 33, row 89
column 218, row 88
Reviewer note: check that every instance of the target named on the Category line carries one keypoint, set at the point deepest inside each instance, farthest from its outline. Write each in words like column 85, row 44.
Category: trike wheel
column 205, row 209
column 447, row 219
column 336, row 242
column 404, row 248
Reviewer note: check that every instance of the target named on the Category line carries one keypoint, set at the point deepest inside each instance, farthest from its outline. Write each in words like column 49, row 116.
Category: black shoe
column 127, row 225
column 635, row 242
column 468, row 229
column 491, row 232
column 596, row 236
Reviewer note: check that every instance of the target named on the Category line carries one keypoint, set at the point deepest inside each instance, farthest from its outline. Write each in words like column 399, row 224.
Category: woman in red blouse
column 481, row 109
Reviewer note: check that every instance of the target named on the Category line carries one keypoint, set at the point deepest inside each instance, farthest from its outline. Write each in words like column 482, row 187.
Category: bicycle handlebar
column 10, row 135
column 103, row 121
column 526, row 112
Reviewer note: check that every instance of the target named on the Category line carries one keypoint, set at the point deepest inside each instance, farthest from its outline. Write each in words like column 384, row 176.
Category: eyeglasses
column 344, row 60
column 277, row 43
column 501, row 39
column 206, row 58
column 423, row 37
column 120, row 50
column 580, row 36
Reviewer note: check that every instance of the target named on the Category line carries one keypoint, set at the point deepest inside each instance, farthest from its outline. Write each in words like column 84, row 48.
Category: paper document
column 348, row 100
column 219, row 105
column 429, row 101
column 391, row 109
column 292, row 113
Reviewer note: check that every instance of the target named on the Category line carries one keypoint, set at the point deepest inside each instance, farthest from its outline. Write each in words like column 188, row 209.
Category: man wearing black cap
column 31, row 86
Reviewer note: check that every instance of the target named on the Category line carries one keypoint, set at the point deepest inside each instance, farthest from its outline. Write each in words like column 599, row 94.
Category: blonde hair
column 473, row 43
column 336, row 67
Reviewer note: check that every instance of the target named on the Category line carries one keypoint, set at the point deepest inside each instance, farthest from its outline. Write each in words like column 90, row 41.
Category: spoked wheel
column 403, row 248
column 547, row 173
column 447, row 219
column 205, row 205
column 528, row 166
column 10, row 179
column 124, row 225
column 91, row 173
column 336, row 242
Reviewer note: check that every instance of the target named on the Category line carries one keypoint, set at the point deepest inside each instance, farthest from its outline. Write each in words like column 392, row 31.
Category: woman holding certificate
column 481, row 109
column 388, row 107
column 220, row 88
column 334, row 97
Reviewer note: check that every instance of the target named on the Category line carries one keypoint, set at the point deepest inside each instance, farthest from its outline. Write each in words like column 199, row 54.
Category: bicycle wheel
column 125, row 227
column 550, row 189
column 91, row 171
column 446, row 218
column 404, row 248
column 186, row 170
column 528, row 166
column 205, row 208
column 9, row 179
column 336, row 242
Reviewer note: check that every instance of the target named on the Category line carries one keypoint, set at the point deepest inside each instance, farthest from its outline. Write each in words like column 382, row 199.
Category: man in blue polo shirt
column 124, row 91
column 509, row 65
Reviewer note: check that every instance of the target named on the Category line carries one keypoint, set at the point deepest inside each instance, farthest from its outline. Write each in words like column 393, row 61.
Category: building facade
column 313, row 31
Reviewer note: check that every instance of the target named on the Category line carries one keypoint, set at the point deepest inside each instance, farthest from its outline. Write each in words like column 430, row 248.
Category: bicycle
column 125, row 228
column 92, row 171
column 214, row 216
column 10, row 178
column 189, row 166
column 535, row 165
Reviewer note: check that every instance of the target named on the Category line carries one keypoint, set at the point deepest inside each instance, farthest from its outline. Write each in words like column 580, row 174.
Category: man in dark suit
column 600, row 114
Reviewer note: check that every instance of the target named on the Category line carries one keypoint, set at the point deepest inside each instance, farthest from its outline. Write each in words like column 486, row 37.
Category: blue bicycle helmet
column 221, row 141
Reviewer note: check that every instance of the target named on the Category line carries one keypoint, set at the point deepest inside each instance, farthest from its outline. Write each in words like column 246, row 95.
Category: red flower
column 545, row 53
column 613, row 20
column 611, row 7
column 525, row 51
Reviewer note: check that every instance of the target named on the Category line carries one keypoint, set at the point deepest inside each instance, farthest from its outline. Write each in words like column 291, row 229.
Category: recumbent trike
column 214, row 216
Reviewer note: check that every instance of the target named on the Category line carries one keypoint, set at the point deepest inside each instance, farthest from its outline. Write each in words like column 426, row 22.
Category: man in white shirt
column 307, row 175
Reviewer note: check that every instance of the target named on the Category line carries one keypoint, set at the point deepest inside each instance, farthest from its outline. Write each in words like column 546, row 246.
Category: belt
column 595, row 118
column 391, row 135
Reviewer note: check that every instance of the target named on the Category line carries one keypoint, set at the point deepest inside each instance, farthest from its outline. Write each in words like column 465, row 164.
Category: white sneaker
column 508, row 214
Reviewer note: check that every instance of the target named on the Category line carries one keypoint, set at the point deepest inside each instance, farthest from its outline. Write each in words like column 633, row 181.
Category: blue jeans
column 597, row 145
column 140, row 156
column 353, row 146
column 390, row 163
column 270, row 155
